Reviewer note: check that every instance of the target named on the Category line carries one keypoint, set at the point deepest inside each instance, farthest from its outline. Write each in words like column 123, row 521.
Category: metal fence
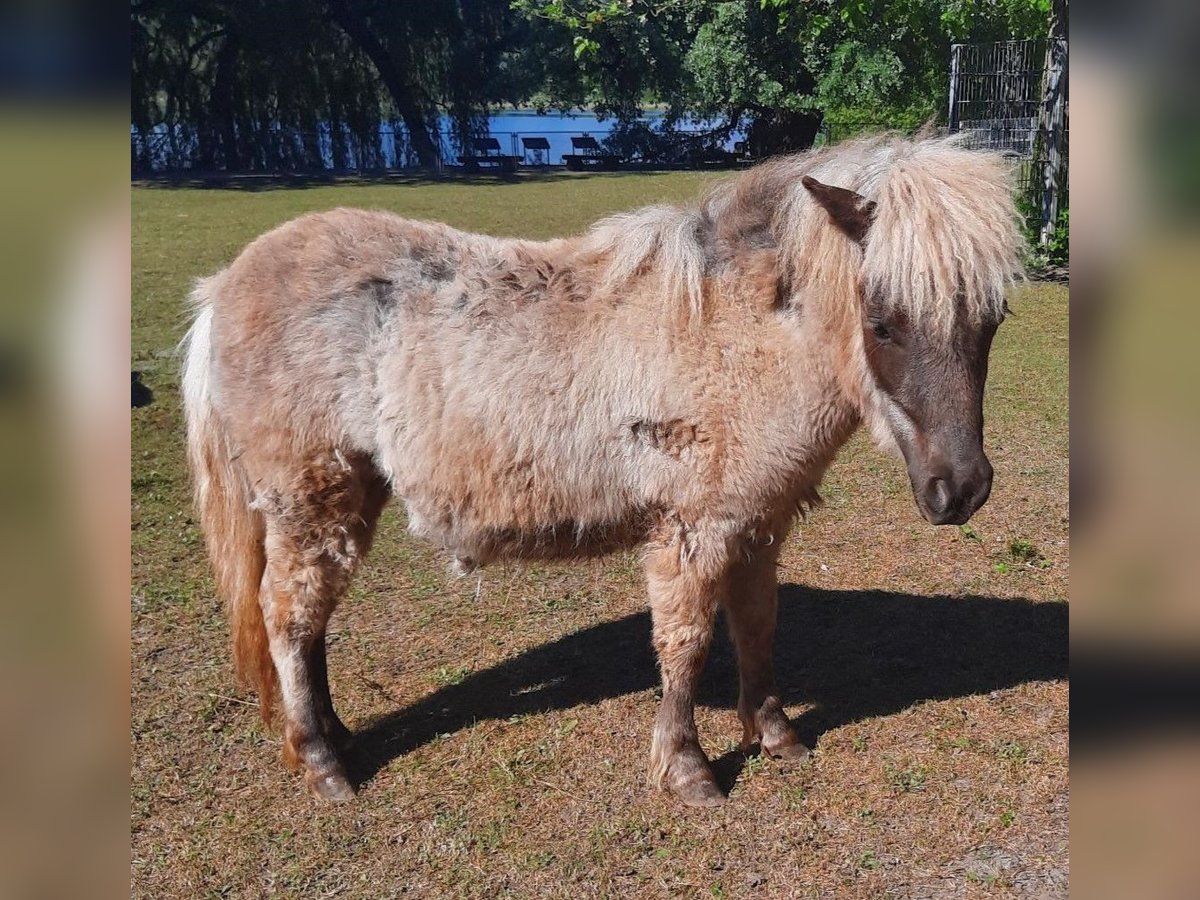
column 996, row 94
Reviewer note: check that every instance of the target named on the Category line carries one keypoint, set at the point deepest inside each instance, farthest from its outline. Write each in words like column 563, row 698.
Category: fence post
column 952, row 118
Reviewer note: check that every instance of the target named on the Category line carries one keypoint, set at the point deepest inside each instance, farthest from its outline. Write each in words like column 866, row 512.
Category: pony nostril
column 979, row 493
column 938, row 495
column 976, row 491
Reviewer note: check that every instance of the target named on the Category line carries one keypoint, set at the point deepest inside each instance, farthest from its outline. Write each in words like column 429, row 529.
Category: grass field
column 503, row 737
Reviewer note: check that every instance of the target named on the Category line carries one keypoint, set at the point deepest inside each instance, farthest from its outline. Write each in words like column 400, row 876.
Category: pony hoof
column 698, row 793
column 689, row 778
column 331, row 785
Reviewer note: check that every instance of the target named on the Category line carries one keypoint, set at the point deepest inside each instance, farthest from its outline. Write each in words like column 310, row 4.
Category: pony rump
column 233, row 530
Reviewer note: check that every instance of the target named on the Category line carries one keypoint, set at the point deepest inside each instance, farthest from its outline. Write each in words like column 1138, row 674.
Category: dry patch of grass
column 503, row 736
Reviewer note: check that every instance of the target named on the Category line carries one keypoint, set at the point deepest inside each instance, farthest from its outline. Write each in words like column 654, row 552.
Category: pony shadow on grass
column 852, row 654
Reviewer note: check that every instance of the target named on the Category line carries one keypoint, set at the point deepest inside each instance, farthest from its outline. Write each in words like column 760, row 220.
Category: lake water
column 557, row 128
column 508, row 127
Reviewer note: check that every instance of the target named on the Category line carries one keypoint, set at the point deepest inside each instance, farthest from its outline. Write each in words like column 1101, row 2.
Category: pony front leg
column 751, row 610
column 683, row 601
column 331, row 726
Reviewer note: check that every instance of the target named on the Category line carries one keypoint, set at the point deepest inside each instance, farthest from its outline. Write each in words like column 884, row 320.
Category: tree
column 1052, row 119
column 454, row 57
column 258, row 83
column 386, row 46
column 744, row 66
column 248, row 85
column 778, row 67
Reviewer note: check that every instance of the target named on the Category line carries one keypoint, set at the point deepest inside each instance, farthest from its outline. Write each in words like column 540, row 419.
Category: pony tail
column 234, row 531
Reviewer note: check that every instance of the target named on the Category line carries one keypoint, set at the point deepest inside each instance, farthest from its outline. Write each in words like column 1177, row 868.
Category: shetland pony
column 677, row 378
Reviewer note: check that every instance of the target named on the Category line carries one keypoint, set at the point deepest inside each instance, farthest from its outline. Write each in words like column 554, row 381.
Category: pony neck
column 826, row 287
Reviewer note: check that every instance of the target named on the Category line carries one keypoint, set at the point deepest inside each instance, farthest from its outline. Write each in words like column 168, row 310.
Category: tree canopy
column 257, row 83
column 277, row 84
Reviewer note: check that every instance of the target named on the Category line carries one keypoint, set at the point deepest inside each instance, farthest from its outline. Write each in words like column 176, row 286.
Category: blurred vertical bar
column 64, row 445
column 1135, row 628
column 955, row 53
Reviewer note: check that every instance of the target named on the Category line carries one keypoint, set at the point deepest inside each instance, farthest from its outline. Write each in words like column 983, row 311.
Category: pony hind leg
column 751, row 609
column 318, row 527
column 376, row 495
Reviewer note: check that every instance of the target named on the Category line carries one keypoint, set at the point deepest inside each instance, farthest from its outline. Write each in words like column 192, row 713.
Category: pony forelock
column 946, row 239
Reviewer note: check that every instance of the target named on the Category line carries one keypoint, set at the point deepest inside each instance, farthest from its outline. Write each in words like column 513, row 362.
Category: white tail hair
column 233, row 530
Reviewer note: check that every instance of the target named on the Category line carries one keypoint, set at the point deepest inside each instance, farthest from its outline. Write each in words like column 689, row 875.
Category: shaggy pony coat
column 676, row 377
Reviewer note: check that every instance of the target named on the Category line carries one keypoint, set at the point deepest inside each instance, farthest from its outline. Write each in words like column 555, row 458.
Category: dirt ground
column 503, row 724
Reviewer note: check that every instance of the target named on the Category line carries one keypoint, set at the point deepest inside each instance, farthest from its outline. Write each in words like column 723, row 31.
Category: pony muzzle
column 950, row 495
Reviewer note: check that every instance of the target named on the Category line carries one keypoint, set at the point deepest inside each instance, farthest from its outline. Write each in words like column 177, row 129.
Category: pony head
column 939, row 249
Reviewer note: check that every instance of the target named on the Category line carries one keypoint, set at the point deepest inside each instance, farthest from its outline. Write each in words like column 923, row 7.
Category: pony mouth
column 958, row 511
column 948, row 517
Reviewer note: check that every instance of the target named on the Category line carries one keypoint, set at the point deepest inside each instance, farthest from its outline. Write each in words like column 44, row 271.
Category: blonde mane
column 945, row 239
column 663, row 238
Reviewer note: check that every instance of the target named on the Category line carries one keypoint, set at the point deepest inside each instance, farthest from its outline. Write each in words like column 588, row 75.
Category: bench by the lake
column 487, row 153
column 588, row 153
column 537, row 151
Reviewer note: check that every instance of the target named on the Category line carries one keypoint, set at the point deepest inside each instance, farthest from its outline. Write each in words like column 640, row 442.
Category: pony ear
column 850, row 212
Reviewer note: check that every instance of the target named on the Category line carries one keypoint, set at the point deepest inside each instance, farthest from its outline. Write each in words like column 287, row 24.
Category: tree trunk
column 1052, row 118
column 404, row 96
column 418, row 132
column 223, row 105
column 779, row 131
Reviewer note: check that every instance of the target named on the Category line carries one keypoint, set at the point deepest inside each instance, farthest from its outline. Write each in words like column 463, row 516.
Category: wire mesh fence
column 995, row 94
column 997, row 91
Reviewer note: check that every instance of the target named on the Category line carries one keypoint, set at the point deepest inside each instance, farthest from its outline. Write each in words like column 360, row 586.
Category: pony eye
column 881, row 331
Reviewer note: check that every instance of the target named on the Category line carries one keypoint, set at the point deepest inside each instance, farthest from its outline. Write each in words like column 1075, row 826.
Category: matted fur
column 677, row 378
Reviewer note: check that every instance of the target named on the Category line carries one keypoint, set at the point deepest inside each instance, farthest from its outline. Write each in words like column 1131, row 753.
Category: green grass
column 550, row 799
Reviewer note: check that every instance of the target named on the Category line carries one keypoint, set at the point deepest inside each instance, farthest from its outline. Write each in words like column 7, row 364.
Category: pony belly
column 473, row 544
